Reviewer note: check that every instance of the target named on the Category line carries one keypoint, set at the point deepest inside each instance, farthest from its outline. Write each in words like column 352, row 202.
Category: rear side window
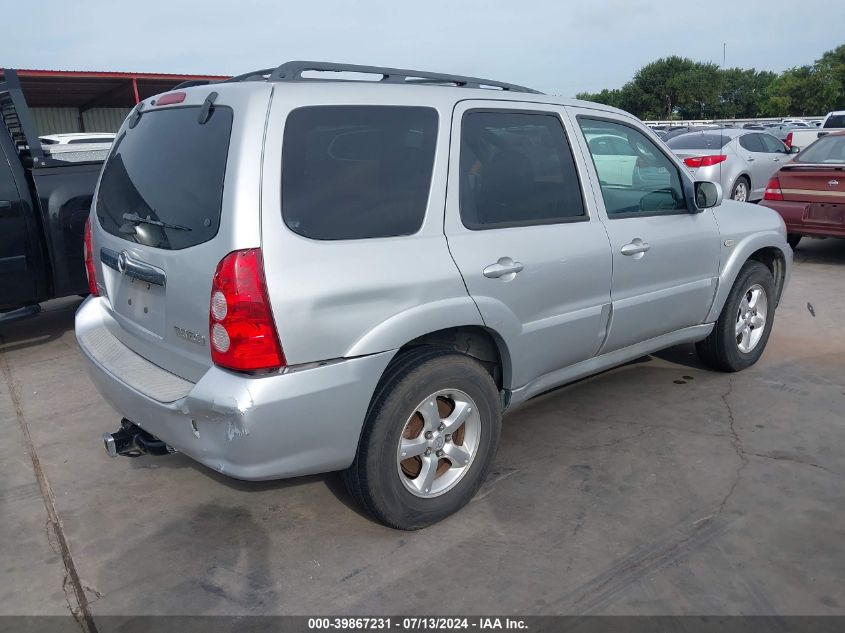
column 162, row 184
column 752, row 142
column 835, row 120
column 517, row 170
column 356, row 172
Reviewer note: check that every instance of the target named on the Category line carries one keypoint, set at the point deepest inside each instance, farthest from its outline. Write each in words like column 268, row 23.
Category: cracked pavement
column 657, row 488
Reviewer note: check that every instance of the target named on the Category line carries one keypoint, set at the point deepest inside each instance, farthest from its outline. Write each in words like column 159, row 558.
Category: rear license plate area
column 141, row 303
column 823, row 213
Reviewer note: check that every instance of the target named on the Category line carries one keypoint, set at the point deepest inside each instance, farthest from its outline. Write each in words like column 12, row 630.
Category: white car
column 77, row 138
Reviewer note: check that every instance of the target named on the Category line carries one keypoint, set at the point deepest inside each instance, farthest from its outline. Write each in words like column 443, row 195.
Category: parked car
column 809, row 192
column 77, row 138
column 45, row 199
column 363, row 276
column 742, row 161
column 802, row 138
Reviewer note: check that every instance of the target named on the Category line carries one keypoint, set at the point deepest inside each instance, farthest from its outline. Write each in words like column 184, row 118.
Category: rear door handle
column 505, row 267
column 750, row 159
column 5, row 204
column 777, row 160
column 635, row 247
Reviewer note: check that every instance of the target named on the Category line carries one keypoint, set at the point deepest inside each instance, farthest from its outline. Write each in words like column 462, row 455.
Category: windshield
column 162, row 185
column 699, row 140
column 827, row 150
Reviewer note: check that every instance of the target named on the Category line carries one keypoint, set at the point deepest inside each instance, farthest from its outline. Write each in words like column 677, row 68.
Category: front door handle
column 505, row 268
column 777, row 160
column 750, row 159
column 635, row 247
column 5, row 204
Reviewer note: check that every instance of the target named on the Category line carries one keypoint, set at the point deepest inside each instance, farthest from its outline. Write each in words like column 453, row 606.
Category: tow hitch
column 133, row 441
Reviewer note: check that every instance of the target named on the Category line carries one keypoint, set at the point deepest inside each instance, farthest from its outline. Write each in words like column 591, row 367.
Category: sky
column 559, row 47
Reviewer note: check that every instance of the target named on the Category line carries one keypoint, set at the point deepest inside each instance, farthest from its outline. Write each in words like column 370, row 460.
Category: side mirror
column 707, row 194
column 794, row 150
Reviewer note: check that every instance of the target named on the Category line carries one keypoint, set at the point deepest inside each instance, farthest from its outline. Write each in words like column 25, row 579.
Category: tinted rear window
column 355, row 172
column 698, row 140
column 168, row 168
column 835, row 120
column 827, row 150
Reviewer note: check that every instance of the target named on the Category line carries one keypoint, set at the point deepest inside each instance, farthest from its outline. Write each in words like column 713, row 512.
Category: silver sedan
column 743, row 161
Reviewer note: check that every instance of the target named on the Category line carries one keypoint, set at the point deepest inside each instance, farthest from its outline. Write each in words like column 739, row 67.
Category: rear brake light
column 788, row 140
column 89, row 261
column 241, row 327
column 704, row 161
column 773, row 191
column 170, row 98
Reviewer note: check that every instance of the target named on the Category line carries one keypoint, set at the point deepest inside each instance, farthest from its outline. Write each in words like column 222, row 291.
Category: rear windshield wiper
column 137, row 219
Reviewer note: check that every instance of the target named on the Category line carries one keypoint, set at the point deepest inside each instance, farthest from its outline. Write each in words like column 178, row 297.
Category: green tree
column 677, row 87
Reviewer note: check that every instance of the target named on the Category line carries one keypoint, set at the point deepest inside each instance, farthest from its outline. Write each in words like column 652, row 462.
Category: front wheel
column 742, row 330
column 428, row 441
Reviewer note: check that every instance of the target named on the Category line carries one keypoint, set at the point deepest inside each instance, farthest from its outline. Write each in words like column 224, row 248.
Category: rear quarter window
column 357, row 172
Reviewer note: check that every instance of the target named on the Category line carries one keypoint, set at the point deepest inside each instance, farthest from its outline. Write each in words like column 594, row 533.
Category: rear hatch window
column 162, row 185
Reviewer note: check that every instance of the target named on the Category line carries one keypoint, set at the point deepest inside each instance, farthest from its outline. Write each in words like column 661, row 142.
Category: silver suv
column 299, row 274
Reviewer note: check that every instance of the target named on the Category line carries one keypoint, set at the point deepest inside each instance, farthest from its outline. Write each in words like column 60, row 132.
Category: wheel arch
column 479, row 342
column 767, row 247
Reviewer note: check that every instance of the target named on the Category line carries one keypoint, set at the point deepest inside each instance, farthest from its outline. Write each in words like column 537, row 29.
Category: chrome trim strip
column 127, row 265
column 815, row 192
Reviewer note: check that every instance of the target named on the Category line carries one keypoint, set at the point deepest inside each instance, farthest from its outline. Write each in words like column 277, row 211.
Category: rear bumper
column 253, row 428
column 794, row 214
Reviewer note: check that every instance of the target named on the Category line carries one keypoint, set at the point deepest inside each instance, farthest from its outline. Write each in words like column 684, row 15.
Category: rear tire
column 742, row 330
column 793, row 239
column 397, row 493
column 741, row 189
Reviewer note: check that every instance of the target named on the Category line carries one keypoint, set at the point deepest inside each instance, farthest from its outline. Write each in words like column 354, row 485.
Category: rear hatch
column 166, row 208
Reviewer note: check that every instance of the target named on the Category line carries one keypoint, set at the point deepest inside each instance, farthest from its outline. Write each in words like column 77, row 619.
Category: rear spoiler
column 15, row 118
column 813, row 167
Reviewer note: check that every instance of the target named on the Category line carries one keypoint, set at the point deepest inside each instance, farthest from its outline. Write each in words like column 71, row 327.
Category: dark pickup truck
column 45, row 196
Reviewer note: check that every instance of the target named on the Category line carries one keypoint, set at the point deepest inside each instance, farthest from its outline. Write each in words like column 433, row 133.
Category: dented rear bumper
column 269, row 427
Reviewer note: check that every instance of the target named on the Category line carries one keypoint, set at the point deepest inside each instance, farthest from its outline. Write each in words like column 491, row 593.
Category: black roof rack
column 292, row 71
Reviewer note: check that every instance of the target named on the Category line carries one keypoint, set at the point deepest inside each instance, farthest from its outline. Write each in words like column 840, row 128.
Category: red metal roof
column 91, row 89
column 32, row 72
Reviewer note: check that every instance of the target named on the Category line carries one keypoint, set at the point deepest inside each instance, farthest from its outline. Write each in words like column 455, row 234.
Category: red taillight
column 705, row 161
column 89, row 261
column 170, row 98
column 773, row 191
column 788, row 140
column 240, row 325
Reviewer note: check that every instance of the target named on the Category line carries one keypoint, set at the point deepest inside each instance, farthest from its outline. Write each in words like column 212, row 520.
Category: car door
column 665, row 258
column 532, row 252
column 17, row 279
column 758, row 162
column 775, row 155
